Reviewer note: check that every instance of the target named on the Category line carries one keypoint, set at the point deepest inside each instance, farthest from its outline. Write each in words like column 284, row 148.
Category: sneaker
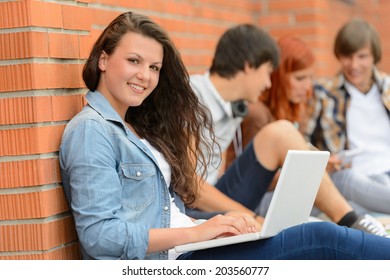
column 369, row 224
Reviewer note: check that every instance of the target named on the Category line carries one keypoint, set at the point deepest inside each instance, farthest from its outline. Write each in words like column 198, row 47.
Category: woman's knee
column 277, row 128
column 273, row 141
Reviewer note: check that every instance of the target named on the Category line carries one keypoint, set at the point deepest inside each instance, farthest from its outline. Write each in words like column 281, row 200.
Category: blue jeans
column 311, row 241
column 370, row 192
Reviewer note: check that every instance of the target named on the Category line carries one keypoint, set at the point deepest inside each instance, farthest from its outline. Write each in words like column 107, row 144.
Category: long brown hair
column 295, row 55
column 172, row 117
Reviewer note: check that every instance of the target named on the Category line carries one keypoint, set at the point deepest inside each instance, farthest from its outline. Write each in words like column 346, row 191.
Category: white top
column 178, row 219
column 368, row 127
column 225, row 125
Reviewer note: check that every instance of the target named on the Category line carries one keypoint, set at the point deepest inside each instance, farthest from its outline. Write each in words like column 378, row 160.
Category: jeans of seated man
column 370, row 192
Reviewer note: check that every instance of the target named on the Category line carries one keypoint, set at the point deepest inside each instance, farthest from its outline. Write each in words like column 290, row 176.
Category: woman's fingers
column 221, row 226
column 252, row 223
column 241, row 223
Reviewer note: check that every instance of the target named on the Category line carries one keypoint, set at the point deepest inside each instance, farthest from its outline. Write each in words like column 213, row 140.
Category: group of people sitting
column 349, row 112
column 146, row 165
column 322, row 111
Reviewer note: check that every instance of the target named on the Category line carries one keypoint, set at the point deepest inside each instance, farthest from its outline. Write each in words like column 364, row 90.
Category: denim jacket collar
column 102, row 106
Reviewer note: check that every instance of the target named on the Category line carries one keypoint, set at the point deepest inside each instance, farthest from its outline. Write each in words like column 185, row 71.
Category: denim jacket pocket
column 139, row 185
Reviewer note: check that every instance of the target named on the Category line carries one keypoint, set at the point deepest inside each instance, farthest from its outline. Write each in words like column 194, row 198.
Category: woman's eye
column 134, row 60
column 155, row 68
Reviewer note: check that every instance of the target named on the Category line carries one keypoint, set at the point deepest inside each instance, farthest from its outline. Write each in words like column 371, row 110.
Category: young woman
column 127, row 168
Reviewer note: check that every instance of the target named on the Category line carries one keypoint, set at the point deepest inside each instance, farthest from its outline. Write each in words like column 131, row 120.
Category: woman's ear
column 103, row 61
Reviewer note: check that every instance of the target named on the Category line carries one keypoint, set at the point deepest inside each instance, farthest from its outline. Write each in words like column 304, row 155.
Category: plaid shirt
column 326, row 126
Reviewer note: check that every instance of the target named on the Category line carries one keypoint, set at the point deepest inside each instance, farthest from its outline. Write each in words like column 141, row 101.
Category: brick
column 62, row 76
column 186, row 8
column 234, row 5
column 26, row 141
column 66, row 107
column 36, row 45
column 311, row 18
column 46, row 14
column 175, row 25
column 40, row 204
column 16, row 77
column 36, row 76
column 278, row 19
column 104, row 17
column 14, row 14
column 293, row 5
column 86, row 42
column 35, row 109
column 37, row 236
column 195, row 43
column 64, row 45
column 67, row 252
column 198, row 60
column 29, row 173
column 76, row 17
column 39, row 44
column 306, row 30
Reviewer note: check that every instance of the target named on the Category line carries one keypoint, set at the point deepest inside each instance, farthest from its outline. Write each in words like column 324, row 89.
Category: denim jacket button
column 138, row 174
column 166, row 208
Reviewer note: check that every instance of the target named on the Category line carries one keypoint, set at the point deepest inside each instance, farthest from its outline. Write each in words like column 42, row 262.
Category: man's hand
column 336, row 164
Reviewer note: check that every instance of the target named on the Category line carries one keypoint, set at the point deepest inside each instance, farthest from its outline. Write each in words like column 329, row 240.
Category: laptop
column 291, row 203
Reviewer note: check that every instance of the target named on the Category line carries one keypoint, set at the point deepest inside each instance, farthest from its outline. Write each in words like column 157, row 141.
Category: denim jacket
column 327, row 126
column 113, row 184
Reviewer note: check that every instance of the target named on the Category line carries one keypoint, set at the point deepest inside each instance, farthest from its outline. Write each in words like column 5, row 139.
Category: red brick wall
column 42, row 49
column 317, row 22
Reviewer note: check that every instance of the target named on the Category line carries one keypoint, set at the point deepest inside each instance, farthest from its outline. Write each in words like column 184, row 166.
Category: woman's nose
column 143, row 74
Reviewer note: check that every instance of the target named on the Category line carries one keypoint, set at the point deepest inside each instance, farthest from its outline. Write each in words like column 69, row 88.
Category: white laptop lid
column 291, row 203
column 295, row 191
